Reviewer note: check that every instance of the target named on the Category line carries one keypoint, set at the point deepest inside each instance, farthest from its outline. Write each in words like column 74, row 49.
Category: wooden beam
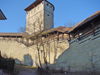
column 78, row 35
column 58, row 36
column 62, row 36
column 22, row 40
column 69, row 37
column 4, row 38
column 16, row 38
column 50, row 36
column 10, row 38
column 33, row 42
column 93, row 28
column 27, row 42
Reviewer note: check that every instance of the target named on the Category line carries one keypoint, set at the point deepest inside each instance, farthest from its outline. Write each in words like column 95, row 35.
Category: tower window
column 47, row 4
column 48, row 15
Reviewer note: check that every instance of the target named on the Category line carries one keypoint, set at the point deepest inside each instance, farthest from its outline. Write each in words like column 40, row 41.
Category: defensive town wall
column 29, row 55
column 82, row 55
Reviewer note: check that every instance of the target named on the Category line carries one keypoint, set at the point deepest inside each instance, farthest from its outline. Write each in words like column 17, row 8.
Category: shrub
column 7, row 63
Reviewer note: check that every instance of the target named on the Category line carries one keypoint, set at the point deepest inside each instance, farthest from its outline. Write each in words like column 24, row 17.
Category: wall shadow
column 17, row 61
column 28, row 60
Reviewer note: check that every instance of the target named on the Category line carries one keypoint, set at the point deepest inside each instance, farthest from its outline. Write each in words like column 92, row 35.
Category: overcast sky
column 65, row 11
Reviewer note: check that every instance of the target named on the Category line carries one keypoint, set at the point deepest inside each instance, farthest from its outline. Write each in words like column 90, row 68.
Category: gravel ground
column 25, row 71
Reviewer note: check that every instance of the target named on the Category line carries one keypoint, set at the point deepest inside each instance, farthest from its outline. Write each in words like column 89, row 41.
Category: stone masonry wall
column 79, row 53
column 28, row 55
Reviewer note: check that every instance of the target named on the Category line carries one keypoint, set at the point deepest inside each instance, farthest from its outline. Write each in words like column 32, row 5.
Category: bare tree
column 38, row 46
column 42, row 42
column 39, row 41
column 22, row 29
column 70, row 24
column 93, row 64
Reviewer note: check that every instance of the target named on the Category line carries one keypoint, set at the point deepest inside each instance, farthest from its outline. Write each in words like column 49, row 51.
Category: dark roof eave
column 32, row 5
column 3, row 15
column 12, row 34
column 84, row 22
column 35, row 4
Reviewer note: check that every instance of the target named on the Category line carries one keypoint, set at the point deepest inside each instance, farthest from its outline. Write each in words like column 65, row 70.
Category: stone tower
column 39, row 16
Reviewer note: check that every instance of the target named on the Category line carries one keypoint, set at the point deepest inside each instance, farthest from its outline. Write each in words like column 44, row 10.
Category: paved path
column 26, row 71
column 23, row 70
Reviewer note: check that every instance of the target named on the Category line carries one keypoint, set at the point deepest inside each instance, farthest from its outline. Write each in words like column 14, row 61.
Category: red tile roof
column 58, row 29
column 34, row 4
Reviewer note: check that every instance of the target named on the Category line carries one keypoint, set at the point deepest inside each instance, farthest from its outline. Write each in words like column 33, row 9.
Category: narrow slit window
column 48, row 15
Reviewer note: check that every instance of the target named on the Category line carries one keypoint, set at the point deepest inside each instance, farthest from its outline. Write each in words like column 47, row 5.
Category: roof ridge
column 96, row 13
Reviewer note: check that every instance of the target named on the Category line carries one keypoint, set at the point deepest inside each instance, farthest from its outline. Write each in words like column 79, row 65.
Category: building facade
column 68, row 48
column 83, row 53
column 23, row 47
column 39, row 16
